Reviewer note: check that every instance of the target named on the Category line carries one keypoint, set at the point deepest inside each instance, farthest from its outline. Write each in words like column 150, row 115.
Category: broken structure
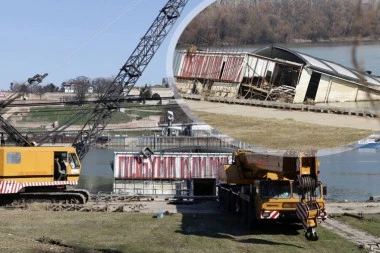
column 272, row 73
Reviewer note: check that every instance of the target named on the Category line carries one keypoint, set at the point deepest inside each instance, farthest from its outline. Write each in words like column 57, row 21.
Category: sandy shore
column 309, row 117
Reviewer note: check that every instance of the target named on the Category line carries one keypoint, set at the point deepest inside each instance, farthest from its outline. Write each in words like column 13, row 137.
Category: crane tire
column 311, row 236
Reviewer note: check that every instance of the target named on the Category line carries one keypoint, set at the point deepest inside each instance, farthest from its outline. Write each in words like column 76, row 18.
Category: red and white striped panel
column 322, row 216
column 272, row 215
column 302, row 213
column 7, row 187
column 176, row 166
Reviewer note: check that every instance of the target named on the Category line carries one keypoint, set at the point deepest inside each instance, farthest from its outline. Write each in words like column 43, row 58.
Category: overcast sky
column 70, row 38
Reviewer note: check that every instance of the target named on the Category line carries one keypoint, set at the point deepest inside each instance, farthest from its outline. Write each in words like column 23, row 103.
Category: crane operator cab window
column 275, row 189
column 60, row 169
column 74, row 162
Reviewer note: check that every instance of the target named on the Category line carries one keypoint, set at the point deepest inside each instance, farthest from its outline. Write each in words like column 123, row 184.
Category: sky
column 93, row 38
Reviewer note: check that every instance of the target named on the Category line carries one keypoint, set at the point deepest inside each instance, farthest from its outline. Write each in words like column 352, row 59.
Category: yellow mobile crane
column 32, row 171
column 274, row 186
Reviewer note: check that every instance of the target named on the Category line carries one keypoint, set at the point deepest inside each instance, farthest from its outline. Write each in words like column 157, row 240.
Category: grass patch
column 370, row 223
column 54, row 113
column 64, row 113
column 282, row 134
column 28, row 231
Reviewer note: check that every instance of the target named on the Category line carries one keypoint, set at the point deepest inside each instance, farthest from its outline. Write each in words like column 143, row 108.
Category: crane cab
column 24, row 168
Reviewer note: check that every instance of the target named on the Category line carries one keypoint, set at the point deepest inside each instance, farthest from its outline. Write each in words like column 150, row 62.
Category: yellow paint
column 305, row 170
column 251, row 168
column 32, row 164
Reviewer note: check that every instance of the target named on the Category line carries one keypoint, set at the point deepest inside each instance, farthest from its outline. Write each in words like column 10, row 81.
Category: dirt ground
column 309, row 117
column 161, row 205
column 208, row 206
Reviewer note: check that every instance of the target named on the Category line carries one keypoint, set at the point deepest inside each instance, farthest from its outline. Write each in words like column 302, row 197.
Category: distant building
column 273, row 73
column 70, row 88
column 186, row 129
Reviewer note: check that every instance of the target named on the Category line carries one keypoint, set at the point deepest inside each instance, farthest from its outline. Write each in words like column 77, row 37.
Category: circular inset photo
column 290, row 80
column 280, row 87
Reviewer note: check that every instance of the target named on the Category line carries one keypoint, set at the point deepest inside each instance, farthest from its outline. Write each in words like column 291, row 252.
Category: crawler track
column 72, row 196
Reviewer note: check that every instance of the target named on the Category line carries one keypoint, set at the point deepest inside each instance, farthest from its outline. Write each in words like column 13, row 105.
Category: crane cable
column 100, row 30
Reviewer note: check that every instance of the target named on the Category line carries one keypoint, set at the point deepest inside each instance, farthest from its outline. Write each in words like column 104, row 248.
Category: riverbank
column 283, row 129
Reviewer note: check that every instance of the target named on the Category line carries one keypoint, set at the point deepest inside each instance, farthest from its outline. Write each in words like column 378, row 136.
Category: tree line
column 283, row 21
column 81, row 87
column 80, row 84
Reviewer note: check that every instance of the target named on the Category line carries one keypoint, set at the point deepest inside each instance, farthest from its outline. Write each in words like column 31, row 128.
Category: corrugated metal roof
column 215, row 66
column 316, row 63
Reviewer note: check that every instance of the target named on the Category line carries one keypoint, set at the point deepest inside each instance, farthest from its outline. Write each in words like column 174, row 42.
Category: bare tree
column 20, row 87
column 145, row 92
column 51, row 88
column 282, row 21
column 38, row 89
column 101, row 84
column 81, row 87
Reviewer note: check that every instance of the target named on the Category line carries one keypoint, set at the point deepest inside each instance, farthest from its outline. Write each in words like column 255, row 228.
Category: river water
column 352, row 175
column 367, row 54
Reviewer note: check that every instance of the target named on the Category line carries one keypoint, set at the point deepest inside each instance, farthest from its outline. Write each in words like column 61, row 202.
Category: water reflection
column 97, row 175
column 352, row 175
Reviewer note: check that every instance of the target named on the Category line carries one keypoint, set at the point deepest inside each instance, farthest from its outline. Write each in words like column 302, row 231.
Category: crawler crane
column 274, row 186
column 15, row 135
column 46, row 172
